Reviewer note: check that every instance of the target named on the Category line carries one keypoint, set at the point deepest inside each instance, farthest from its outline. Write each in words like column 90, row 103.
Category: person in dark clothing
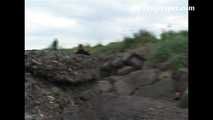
column 81, row 50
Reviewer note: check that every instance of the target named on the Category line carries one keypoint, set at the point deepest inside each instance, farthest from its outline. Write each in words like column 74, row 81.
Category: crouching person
column 81, row 50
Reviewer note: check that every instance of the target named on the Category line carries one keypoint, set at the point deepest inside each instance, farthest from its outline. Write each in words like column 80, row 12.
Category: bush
column 172, row 47
column 139, row 39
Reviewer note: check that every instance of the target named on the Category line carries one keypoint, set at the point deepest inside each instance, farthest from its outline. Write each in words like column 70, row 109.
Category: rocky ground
column 64, row 86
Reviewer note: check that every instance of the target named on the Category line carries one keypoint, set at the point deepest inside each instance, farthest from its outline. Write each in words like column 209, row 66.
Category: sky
column 98, row 21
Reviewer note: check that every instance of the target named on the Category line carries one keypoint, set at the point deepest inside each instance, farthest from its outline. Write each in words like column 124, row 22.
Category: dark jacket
column 82, row 51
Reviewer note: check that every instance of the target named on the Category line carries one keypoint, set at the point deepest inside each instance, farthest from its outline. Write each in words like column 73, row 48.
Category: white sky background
column 97, row 21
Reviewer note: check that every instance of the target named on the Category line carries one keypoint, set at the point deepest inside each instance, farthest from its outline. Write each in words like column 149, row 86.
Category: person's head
column 80, row 46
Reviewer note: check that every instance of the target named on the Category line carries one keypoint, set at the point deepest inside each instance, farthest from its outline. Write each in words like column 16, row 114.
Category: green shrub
column 139, row 39
column 172, row 47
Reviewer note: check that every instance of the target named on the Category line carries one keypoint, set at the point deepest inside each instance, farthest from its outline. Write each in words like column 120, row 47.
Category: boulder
column 134, row 60
column 136, row 108
column 127, row 84
column 125, row 70
column 56, row 66
column 117, row 63
column 107, row 69
column 162, row 89
column 163, row 66
column 104, row 86
column 165, row 75
column 122, row 88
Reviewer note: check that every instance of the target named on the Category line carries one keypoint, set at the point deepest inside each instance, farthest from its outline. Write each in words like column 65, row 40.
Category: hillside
column 171, row 48
column 135, row 79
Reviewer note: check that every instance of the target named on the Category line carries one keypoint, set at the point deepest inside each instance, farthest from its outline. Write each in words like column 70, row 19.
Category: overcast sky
column 97, row 21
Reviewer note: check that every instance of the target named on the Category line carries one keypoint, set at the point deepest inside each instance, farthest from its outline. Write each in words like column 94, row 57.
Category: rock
column 164, row 66
column 136, row 108
column 106, row 65
column 71, row 113
column 125, row 70
column 117, row 63
column 104, row 86
column 183, row 103
column 88, row 94
column 28, row 117
column 165, row 75
column 162, row 89
column 126, row 56
column 56, row 66
column 107, row 69
column 127, row 84
column 78, row 98
column 122, row 88
column 134, row 60
column 114, row 66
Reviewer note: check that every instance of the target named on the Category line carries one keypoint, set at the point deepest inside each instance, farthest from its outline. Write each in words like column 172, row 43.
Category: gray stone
column 122, row 88
column 165, row 75
column 104, row 86
column 137, row 108
column 134, row 60
column 55, row 67
column 127, row 84
column 162, row 89
column 117, row 63
column 125, row 70
column 137, row 63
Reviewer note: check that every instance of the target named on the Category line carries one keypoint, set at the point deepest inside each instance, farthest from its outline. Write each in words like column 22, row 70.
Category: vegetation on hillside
column 138, row 40
column 171, row 47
